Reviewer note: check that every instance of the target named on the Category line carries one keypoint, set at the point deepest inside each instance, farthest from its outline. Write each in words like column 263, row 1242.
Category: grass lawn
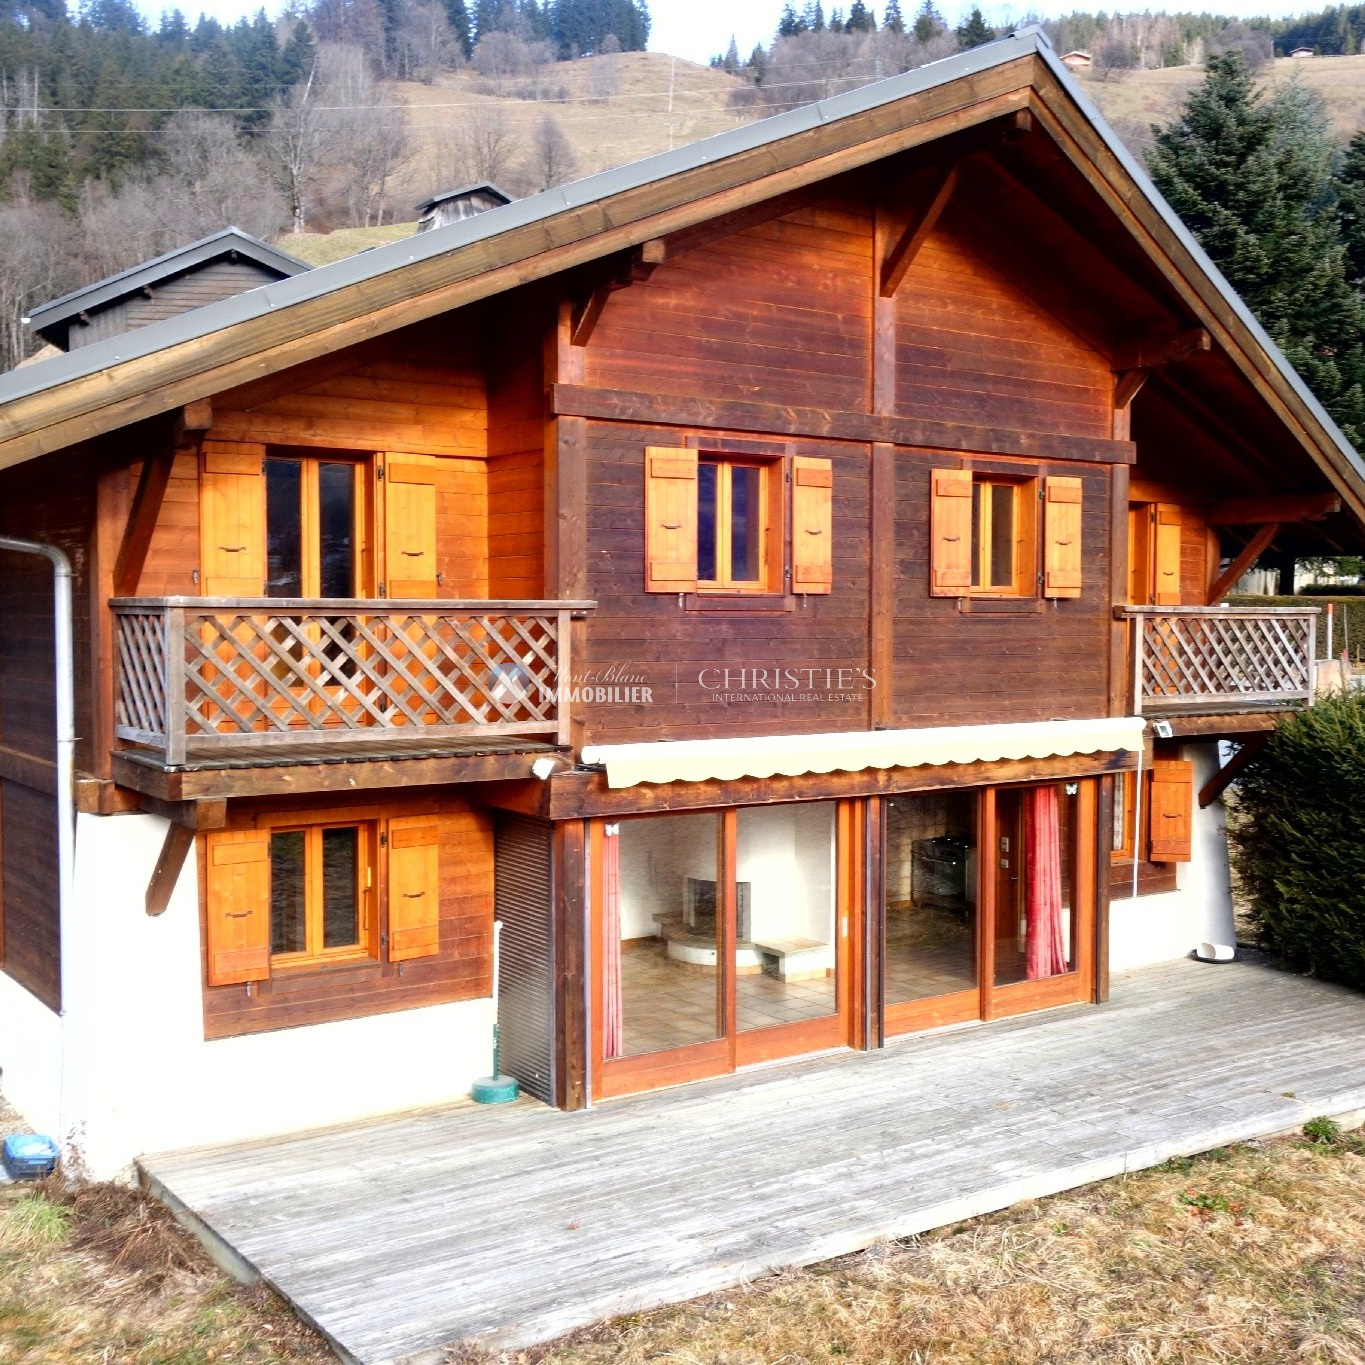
column 1251, row 1254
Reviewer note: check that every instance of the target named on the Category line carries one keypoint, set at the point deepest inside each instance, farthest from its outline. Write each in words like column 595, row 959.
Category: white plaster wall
column 143, row 1077
column 786, row 854
column 30, row 1056
column 1170, row 925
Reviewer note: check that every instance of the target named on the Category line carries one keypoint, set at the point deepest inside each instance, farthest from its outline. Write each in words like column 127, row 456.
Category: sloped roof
column 47, row 406
column 461, row 191
column 153, row 272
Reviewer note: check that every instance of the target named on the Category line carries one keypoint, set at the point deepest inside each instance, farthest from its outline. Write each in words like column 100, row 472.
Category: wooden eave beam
column 175, row 848
column 901, row 255
column 636, row 270
column 1231, row 770
column 1150, row 353
column 1251, row 552
column 1127, row 386
column 52, row 419
column 1253, row 511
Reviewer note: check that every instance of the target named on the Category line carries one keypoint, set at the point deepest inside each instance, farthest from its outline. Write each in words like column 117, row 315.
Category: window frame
column 1025, row 550
column 771, row 533
column 364, row 476
column 314, row 954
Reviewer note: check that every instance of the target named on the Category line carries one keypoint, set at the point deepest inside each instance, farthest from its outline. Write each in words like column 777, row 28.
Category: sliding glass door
column 720, row 940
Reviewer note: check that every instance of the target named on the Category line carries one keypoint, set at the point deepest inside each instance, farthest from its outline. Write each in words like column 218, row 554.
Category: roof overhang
column 158, row 368
column 728, row 760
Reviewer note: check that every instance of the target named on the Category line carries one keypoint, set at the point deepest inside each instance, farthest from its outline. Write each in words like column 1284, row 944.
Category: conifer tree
column 1252, row 179
column 1351, row 208
column 892, row 19
column 790, row 24
column 929, row 23
column 974, row 30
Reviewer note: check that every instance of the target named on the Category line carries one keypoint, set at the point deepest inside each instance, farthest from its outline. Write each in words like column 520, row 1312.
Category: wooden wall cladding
column 516, row 466
column 424, row 401
column 780, row 311
column 28, row 891
column 668, row 644
column 972, row 347
column 1026, row 659
column 462, row 970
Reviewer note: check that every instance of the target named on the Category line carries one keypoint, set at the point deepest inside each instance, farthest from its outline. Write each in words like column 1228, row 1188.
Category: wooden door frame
column 697, row 1061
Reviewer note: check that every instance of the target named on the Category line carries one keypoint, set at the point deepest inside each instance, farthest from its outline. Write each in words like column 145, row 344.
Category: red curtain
column 1045, row 949
column 611, row 944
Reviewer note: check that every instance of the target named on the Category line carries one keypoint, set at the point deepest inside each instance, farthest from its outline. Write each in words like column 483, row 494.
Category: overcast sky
column 697, row 29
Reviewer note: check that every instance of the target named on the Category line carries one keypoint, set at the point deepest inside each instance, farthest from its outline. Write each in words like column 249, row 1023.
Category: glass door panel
column 663, row 925
column 931, row 897
column 786, row 879
column 1035, row 881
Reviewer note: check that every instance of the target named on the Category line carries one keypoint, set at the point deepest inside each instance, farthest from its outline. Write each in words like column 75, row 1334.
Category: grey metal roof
column 210, row 248
column 324, row 280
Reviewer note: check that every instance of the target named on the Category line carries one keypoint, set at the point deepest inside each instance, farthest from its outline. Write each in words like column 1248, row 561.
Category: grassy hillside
column 621, row 108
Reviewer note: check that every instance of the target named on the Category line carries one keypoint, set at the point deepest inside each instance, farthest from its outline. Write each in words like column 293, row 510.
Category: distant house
column 1303, row 52
column 452, row 206
column 213, row 268
column 1078, row 60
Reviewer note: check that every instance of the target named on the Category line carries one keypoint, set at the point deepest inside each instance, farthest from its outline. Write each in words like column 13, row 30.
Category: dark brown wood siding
column 1011, row 660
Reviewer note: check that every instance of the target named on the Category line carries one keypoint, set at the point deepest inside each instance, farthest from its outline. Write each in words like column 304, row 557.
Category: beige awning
column 700, row 760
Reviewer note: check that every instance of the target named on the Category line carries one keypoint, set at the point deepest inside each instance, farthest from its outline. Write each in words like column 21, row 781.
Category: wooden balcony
column 1211, row 659
column 201, row 680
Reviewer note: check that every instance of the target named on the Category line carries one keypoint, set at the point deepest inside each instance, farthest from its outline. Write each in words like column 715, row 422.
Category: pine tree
column 929, row 23
column 892, row 19
column 1351, row 208
column 860, row 19
column 790, row 24
column 974, row 30
column 1252, row 180
column 458, row 15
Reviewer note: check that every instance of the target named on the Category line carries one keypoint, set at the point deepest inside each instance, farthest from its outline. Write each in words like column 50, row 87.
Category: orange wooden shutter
column 232, row 526
column 1171, row 811
column 812, row 525
column 238, row 906
column 1062, row 538
column 950, row 522
column 414, row 887
column 670, row 519
column 1166, row 579
column 409, row 527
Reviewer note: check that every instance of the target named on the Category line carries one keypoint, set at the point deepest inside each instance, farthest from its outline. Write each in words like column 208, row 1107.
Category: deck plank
column 511, row 1225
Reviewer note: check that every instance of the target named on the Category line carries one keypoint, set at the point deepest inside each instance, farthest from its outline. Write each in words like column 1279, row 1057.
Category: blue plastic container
column 29, row 1156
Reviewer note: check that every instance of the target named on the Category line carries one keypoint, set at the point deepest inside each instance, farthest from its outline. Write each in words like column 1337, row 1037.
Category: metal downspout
column 65, row 683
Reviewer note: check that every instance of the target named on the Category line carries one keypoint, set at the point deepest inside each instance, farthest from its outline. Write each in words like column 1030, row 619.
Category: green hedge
column 1298, row 839
column 1349, row 610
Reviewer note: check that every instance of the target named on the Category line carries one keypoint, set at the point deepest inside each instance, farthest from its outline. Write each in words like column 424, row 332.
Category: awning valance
column 701, row 760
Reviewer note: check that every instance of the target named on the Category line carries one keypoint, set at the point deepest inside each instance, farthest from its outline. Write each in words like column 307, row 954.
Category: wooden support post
column 570, row 910
column 179, row 840
column 1120, row 633
column 882, row 644
column 1251, row 552
column 1150, row 353
column 1104, row 825
column 902, row 253
column 1229, row 772
column 1128, row 385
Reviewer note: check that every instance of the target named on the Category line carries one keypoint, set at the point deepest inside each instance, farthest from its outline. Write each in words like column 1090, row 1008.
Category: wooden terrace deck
column 513, row 1225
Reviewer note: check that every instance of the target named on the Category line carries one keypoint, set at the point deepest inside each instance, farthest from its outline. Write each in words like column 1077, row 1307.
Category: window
column 311, row 518
column 717, row 523
column 292, row 895
column 996, row 546
column 320, row 880
column 985, row 540
column 732, row 525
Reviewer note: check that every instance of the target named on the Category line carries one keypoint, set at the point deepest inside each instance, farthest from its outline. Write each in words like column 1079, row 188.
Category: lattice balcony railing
column 1203, row 657
column 203, row 673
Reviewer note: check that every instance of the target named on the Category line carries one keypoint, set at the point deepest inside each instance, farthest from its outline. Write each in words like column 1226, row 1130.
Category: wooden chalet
column 780, row 581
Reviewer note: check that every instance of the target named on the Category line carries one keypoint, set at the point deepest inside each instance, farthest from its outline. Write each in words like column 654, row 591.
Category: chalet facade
column 779, row 582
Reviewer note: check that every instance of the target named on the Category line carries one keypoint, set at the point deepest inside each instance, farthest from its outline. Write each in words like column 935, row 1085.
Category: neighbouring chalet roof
column 51, row 318
column 111, row 383
column 462, row 202
column 728, row 760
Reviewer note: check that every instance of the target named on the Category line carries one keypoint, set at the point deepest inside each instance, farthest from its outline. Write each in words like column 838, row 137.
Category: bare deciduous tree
column 485, row 145
column 36, row 256
column 551, row 160
column 426, row 44
column 296, row 146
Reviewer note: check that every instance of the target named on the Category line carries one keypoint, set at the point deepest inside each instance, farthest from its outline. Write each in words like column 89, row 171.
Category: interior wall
column 658, row 855
column 787, row 855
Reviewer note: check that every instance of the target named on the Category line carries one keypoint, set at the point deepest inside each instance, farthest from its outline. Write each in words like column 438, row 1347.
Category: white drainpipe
column 64, row 667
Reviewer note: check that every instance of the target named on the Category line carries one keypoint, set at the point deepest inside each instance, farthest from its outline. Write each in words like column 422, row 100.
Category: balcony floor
column 512, row 1225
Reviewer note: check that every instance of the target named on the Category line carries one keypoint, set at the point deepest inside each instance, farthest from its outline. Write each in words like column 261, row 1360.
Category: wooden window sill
column 1001, row 606
column 320, row 964
column 765, row 602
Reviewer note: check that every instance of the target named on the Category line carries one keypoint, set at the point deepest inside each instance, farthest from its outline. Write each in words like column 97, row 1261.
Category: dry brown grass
column 102, row 1275
column 1257, row 1254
